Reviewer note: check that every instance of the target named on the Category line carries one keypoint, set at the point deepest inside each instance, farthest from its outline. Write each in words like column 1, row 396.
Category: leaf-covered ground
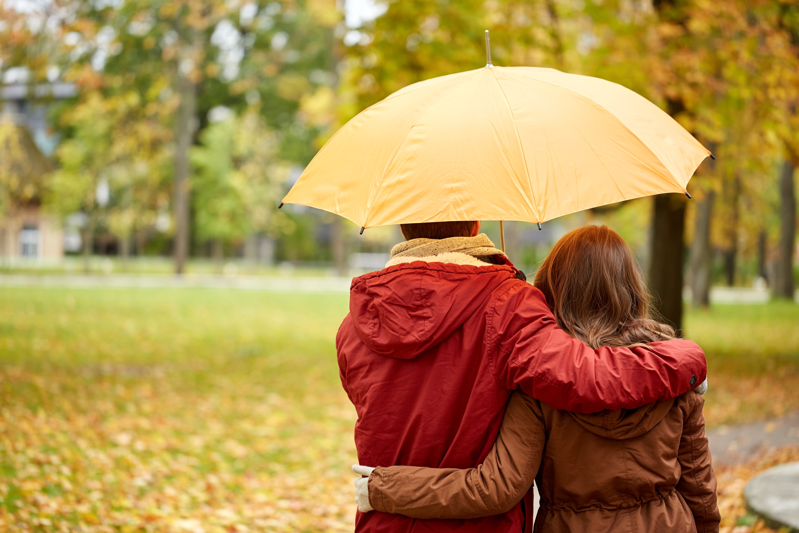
column 202, row 410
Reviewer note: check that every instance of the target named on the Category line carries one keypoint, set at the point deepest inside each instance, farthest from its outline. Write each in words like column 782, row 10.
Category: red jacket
column 430, row 353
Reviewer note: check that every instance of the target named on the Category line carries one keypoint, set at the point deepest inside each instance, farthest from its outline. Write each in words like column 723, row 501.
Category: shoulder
column 520, row 400
column 689, row 403
column 514, row 305
column 515, row 294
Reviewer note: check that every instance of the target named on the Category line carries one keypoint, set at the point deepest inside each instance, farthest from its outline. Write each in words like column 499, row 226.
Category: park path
column 731, row 445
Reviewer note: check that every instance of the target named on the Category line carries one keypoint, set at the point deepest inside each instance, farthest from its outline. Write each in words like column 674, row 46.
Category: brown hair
column 437, row 230
column 596, row 292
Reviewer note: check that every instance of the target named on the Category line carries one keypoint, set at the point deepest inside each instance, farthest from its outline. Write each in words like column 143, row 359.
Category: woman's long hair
column 595, row 290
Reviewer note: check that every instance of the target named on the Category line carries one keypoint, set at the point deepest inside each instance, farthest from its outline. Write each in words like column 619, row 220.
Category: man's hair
column 437, row 230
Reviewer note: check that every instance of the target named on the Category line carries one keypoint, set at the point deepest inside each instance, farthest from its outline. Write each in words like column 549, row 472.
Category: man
column 435, row 343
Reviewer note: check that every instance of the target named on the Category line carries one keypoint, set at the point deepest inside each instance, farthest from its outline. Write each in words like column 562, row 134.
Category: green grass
column 748, row 339
column 171, row 410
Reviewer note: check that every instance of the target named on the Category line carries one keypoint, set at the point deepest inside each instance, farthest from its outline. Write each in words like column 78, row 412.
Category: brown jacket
column 641, row 470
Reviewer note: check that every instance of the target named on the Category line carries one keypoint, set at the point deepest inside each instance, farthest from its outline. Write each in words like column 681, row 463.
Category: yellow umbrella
column 523, row 143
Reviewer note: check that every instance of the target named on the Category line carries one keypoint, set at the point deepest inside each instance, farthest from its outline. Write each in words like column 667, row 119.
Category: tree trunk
column 702, row 252
column 732, row 197
column 555, row 34
column 184, row 133
column 728, row 257
column 88, row 241
column 339, row 247
column 141, row 242
column 217, row 254
column 783, row 275
column 666, row 257
column 124, row 250
column 761, row 255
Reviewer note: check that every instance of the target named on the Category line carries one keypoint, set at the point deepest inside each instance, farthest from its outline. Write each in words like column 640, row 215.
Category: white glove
column 362, row 487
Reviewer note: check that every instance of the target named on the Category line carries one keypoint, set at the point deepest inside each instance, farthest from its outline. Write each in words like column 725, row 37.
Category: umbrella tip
column 539, row 227
column 280, row 206
column 362, row 228
column 713, row 157
column 488, row 50
column 688, row 195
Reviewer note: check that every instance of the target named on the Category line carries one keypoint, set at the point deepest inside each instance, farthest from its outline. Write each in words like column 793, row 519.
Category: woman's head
column 594, row 288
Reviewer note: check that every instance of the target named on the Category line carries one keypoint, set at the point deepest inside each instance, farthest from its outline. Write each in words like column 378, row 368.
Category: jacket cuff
column 376, row 486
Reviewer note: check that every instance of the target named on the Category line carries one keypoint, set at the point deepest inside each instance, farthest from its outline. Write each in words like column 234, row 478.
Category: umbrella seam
column 671, row 176
column 399, row 145
column 519, row 139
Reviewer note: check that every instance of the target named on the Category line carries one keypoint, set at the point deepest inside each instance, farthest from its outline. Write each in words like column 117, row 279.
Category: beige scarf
column 457, row 250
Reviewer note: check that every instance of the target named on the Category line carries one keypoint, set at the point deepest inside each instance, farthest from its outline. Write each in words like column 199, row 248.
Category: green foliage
column 112, row 139
column 422, row 39
column 730, row 68
column 83, row 157
column 238, row 180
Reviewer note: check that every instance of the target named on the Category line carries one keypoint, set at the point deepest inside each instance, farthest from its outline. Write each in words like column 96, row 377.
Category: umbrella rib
column 521, row 148
column 399, row 145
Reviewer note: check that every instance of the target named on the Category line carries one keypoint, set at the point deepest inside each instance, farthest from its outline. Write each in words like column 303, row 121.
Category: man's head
column 440, row 230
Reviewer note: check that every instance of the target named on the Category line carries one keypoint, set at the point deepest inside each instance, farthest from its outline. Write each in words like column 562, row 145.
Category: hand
column 702, row 388
column 362, row 487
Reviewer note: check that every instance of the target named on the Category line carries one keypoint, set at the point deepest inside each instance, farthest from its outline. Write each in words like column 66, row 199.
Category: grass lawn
column 753, row 360
column 203, row 410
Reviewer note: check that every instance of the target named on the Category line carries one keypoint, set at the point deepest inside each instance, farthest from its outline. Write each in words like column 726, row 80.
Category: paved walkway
column 731, row 445
column 774, row 495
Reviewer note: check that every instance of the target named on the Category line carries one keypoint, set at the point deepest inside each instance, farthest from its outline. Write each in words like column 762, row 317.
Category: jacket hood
column 624, row 424
column 407, row 309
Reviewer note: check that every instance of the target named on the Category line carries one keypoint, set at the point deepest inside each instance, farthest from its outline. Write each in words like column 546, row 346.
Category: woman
column 641, row 470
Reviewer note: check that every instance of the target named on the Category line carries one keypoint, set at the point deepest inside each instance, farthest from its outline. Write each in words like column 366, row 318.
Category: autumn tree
column 784, row 283
column 237, row 181
column 114, row 145
column 184, row 58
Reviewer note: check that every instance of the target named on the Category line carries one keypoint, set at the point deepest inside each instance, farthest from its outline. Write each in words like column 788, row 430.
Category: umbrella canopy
column 522, row 143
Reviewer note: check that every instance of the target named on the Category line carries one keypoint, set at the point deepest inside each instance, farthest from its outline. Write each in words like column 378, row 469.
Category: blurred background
column 167, row 358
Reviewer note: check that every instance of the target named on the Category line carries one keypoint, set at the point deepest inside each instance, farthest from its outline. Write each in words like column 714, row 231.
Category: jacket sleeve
column 494, row 487
column 697, row 483
column 528, row 350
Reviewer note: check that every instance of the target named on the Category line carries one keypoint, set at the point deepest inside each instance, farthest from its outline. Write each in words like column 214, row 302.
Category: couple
column 449, row 338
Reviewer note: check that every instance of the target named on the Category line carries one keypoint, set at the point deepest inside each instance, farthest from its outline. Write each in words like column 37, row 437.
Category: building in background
column 27, row 233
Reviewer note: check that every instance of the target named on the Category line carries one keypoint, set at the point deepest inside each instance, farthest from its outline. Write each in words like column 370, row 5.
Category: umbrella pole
column 502, row 235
